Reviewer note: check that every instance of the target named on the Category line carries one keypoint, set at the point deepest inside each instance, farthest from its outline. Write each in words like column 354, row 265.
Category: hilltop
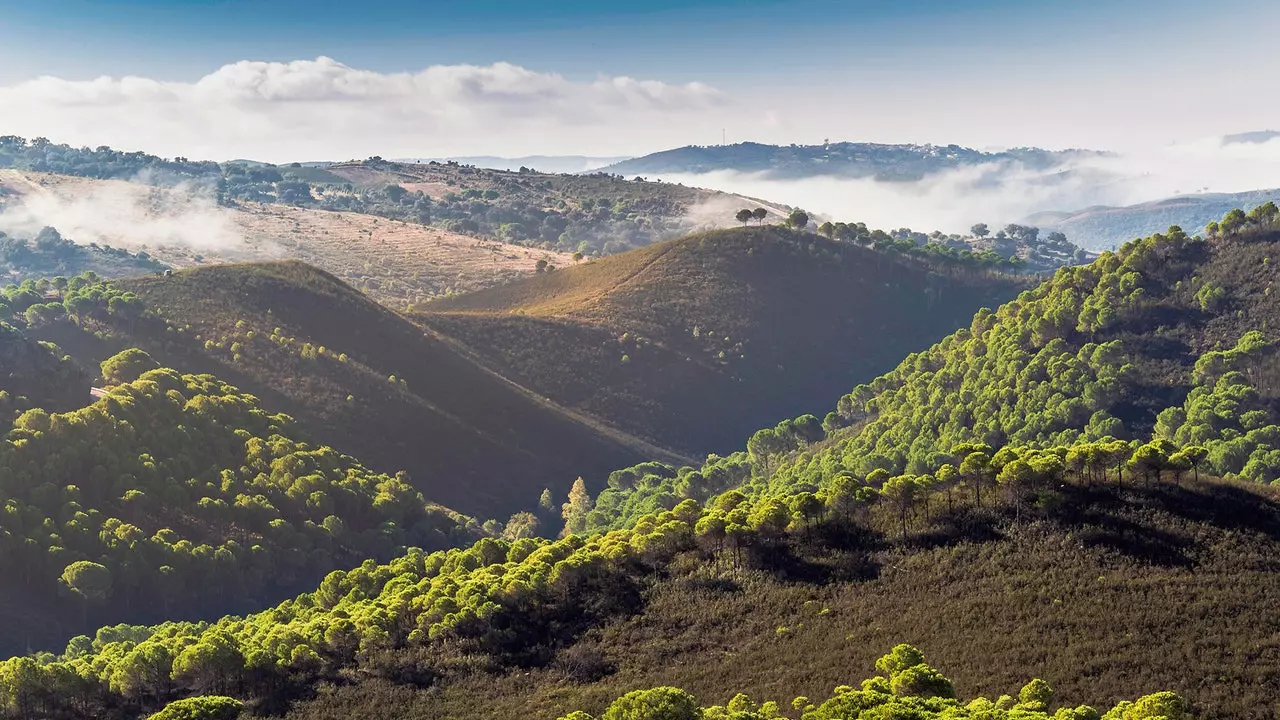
column 693, row 343
column 839, row 159
column 358, row 377
column 543, row 163
column 1101, row 226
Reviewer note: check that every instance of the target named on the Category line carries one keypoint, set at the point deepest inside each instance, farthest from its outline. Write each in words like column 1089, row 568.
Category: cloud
column 323, row 108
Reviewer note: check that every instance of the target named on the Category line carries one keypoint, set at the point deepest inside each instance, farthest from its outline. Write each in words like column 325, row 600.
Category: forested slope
column 775, row 597
column 696, row 342
column 1171, row 339
column 356, row 376
column 1035, row 495
column 178, row 495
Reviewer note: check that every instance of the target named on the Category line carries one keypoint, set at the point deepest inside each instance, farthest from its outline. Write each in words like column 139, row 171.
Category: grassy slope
column 799, row 319
column 469, row 439
column 1118, row 594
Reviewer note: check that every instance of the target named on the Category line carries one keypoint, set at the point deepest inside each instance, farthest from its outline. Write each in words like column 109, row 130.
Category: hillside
column 543, row 163
column 1140, row 585
column 1103, row 227
column 179, row 496
column 596, row 213
column 1168, row 342
column 355, row 376
column 1137, row 589
column 126, row 228
column 1038, row 495
column 696, row 342
column 839, row 159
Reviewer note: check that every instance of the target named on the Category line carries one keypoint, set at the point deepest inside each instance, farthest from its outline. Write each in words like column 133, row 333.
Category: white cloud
column 324, row 109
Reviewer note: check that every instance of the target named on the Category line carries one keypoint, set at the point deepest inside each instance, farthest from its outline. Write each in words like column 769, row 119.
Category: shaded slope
column 311, row 346
column 694, row 343
column 33, row 375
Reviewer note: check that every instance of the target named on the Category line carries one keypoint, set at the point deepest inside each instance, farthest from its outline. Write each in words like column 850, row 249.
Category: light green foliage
column 664, row 703
column 170, row 471
column 127, row 366
column 209, row 707
column 914, row 690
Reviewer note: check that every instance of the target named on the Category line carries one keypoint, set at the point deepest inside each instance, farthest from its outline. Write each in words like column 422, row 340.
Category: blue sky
column 1102, row 73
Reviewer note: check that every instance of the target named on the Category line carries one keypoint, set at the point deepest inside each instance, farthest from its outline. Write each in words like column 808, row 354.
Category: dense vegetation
column 1074, row 487
column 908, row 687
column 179, row 493
column 456, row 617
column 36, row 374
column 1011, row 249
column 696, row 342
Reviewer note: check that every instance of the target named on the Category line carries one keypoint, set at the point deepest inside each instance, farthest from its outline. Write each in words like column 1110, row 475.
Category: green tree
column 575, row 511
column 663, row 703
column 744, row 215
column 760, row 214
column 207, row 707
column 127, row 366
column 798, row 219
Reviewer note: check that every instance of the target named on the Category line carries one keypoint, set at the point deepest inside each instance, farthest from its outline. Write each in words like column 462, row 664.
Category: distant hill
column 360, row 378
column 840, row 159
column 541, row 163
column 695, row 342
column 1105, row 227
column 397, row 262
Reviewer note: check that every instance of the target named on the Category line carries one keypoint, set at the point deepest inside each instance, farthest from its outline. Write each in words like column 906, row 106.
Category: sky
column 318, row 80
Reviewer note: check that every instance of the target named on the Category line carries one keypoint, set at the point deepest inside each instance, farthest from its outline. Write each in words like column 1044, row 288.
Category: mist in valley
column 133, row 215
column 1000, row 193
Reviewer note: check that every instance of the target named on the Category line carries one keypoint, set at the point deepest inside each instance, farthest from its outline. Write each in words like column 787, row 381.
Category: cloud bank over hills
column 284, row 110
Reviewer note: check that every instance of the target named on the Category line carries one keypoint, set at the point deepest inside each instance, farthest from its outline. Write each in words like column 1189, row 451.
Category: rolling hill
column 1073, row 489
column 358, row 377
column 1101, row 227
column 693, row 343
